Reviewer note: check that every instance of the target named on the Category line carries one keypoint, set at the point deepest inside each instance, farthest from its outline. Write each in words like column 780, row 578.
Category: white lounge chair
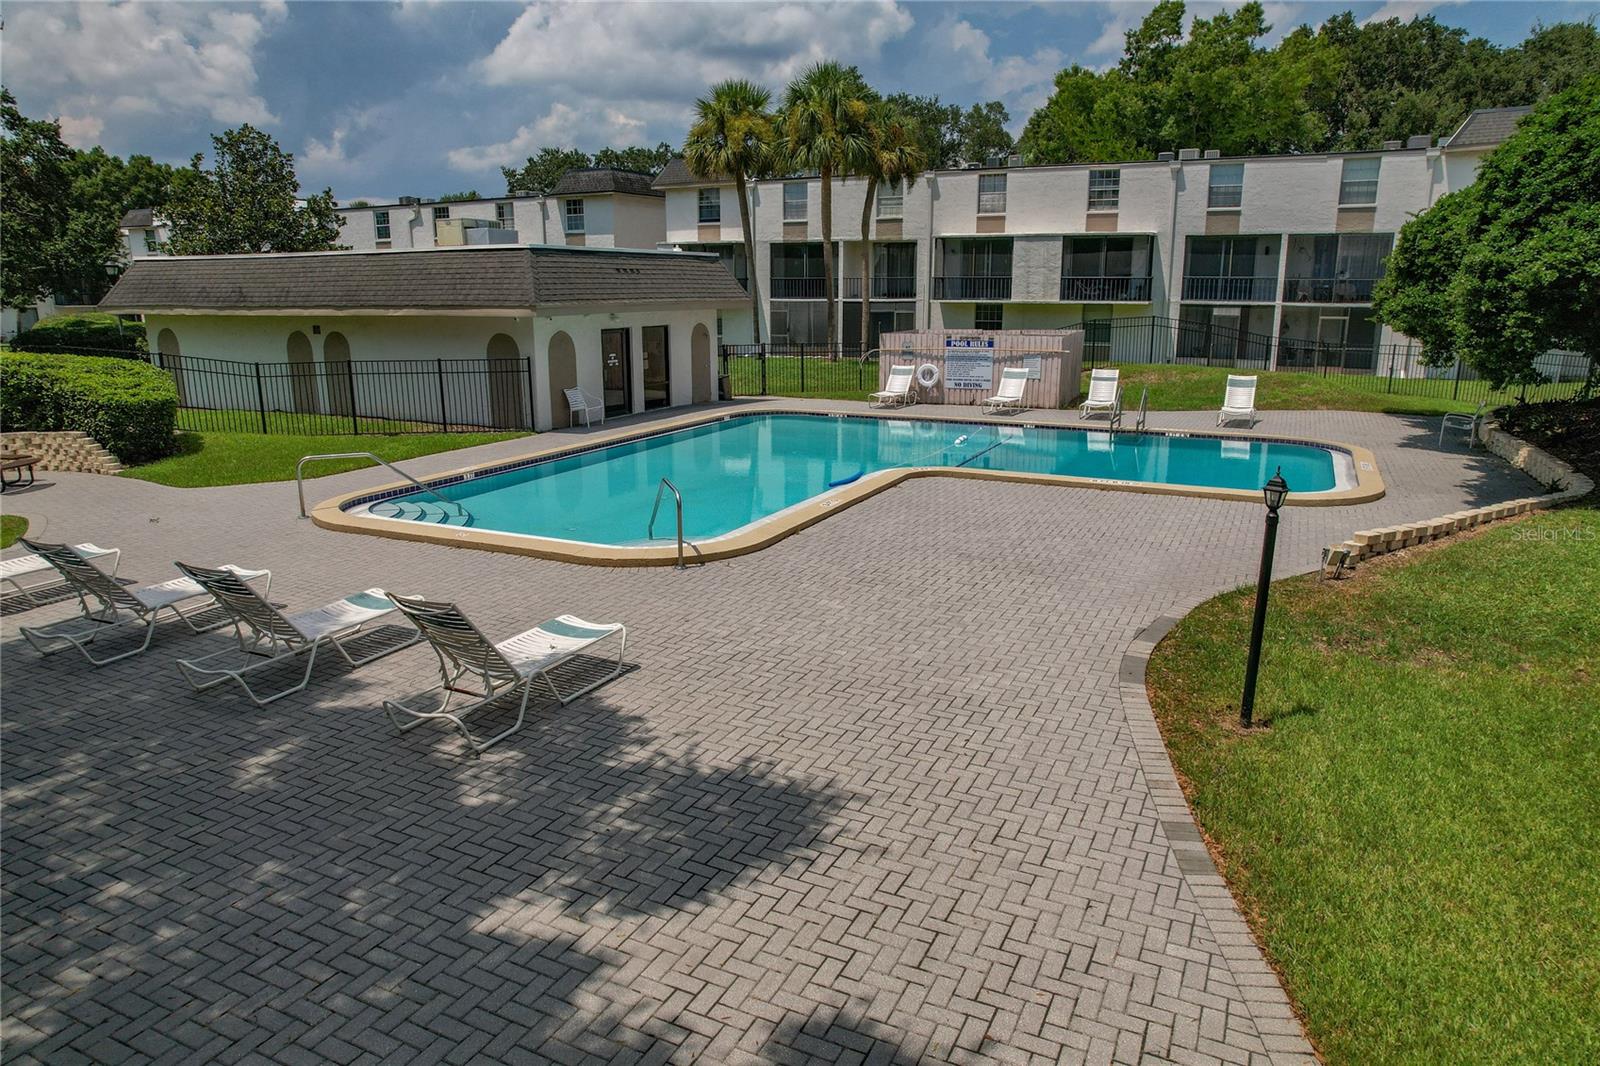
column 1013, row 379
column 14, row 570
column 1105, row 392
column 268, row 636
column 581, row 403
column 119, row 605
column 1462, row 420
column 1239, row 401
column 897, row 390
column 497, row 669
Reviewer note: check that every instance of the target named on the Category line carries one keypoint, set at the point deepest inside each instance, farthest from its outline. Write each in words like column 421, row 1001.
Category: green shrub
column 74, row 333
column 129, row 407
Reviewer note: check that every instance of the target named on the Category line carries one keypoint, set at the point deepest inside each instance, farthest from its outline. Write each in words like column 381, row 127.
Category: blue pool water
column 739, row 470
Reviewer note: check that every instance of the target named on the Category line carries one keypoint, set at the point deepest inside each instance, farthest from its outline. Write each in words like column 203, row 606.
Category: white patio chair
column 1013, row 379
column 897, row 390
column 268, row 636
column 119, row 605
column 496, row 669
column 1105, row 392
column 14, row 570
column 1462, row 420
column 1239, row 400
column 581, row 403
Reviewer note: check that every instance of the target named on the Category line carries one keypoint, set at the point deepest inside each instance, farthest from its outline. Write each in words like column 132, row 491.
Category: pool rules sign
column 969, row 362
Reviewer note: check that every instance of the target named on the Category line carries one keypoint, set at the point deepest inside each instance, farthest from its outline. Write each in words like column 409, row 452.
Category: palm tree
column 733, row 136
column 822, row 127
column 894, row 155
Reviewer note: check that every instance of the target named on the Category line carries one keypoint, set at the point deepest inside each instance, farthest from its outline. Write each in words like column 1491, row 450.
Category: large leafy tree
column 893, row 155
column 1343, row 86
column 948, row 135
column 247, row 202
column 822, row 127
column 104, row 188
column 35, row 188
column 540, row 173
column 1509, row 267
column 638, row 157
column 733, row 137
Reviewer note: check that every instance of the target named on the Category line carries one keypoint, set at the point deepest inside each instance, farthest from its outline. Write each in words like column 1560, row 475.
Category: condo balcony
column 1105, row 290
column 799, row 288
column 1230, row 289
column 884, row 287
column 972, row 287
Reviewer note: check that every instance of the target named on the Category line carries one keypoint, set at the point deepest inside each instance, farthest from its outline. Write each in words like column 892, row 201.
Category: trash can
column 725, row 387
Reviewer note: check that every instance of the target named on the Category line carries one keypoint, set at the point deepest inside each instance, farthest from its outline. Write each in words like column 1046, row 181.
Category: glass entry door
column 616, row 371
column 657, row 368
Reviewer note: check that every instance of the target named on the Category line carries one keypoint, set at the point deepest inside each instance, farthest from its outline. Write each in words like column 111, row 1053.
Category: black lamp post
column 1273, row 492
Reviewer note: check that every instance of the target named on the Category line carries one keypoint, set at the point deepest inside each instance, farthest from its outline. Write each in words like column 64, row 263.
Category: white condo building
column 1271, row 252
column 596, row 208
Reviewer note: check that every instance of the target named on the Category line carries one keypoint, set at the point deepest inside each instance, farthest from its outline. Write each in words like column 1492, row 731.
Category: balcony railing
column 972, row 288
column 884, row 287
column 799, row 288
column 1328, row 290
column 1230, row 290
column 1105, row 290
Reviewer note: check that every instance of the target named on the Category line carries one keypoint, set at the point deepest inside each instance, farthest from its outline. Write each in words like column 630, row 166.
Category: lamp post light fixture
column 1273, row 492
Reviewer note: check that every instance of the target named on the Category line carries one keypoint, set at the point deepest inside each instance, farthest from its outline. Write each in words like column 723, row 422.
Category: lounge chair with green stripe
column 498, row 669
column 268, row 636
column 106, row 605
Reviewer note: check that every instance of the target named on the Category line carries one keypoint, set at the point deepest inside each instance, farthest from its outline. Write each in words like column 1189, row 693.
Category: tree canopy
column 539, row 174
column 1508, row 268
column 247, row 202
column 947, row 135
column 1342, row 86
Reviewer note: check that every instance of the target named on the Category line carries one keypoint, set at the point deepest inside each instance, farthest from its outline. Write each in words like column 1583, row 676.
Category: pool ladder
column 300, row 484
column 677, row 497
column 1144, row 410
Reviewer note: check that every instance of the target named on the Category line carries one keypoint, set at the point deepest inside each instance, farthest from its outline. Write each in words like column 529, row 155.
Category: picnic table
column 18, row 463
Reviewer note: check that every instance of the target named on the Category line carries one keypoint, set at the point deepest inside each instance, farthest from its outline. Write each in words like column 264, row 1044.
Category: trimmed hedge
column 89, row 333
column 131, row 408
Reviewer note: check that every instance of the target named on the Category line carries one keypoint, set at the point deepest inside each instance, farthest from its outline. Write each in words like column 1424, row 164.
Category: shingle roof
column 677, row 173
column 603, row 179
column 139, row 218
column 1487, row 125
column 475, row 278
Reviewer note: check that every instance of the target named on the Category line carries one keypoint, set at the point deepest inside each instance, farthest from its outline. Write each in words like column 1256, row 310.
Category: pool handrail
column 650, row 530
column 1144, row 407
column 300, row 484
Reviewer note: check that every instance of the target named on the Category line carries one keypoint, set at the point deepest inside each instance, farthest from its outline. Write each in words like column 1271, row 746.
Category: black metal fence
column 352, row 396
column 822, row 371
column 818, row 370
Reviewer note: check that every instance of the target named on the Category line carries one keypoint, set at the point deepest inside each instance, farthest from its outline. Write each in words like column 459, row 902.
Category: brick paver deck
column 870, row 795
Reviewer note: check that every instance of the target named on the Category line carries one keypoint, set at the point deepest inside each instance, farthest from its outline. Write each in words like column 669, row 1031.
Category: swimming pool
column 739, row 473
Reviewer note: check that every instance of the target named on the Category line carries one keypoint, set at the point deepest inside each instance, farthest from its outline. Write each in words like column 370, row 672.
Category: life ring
column 927, row 375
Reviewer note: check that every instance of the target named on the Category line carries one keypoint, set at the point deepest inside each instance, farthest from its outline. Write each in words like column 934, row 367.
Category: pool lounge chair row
column 209, row 598
column 1105, row 393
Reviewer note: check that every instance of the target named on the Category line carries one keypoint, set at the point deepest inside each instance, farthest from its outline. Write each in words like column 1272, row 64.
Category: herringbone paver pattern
column 869, row 796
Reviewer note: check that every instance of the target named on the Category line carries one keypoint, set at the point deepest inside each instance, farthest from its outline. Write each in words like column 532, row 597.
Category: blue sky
column 424, row 98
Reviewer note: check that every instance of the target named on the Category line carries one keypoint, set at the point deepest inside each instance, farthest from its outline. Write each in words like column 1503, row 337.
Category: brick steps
column 63, row 449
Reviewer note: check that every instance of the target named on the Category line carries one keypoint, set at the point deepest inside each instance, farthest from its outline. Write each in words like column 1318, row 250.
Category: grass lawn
column 1416, row 835
column 1172, row 387
column 244, row 458
column 12, row 526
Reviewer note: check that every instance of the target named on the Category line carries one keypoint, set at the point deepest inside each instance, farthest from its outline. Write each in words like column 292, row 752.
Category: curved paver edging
column 1278, row 1025
column 333, row 514
column 1536, row 463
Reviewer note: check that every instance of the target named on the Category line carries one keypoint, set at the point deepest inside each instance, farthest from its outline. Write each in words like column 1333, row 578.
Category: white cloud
column 588, row 126
column 183, row 59
column 1406, row 10
column 614, row 73
column 1022, row 82
column 673, row 51
column 81, row 131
